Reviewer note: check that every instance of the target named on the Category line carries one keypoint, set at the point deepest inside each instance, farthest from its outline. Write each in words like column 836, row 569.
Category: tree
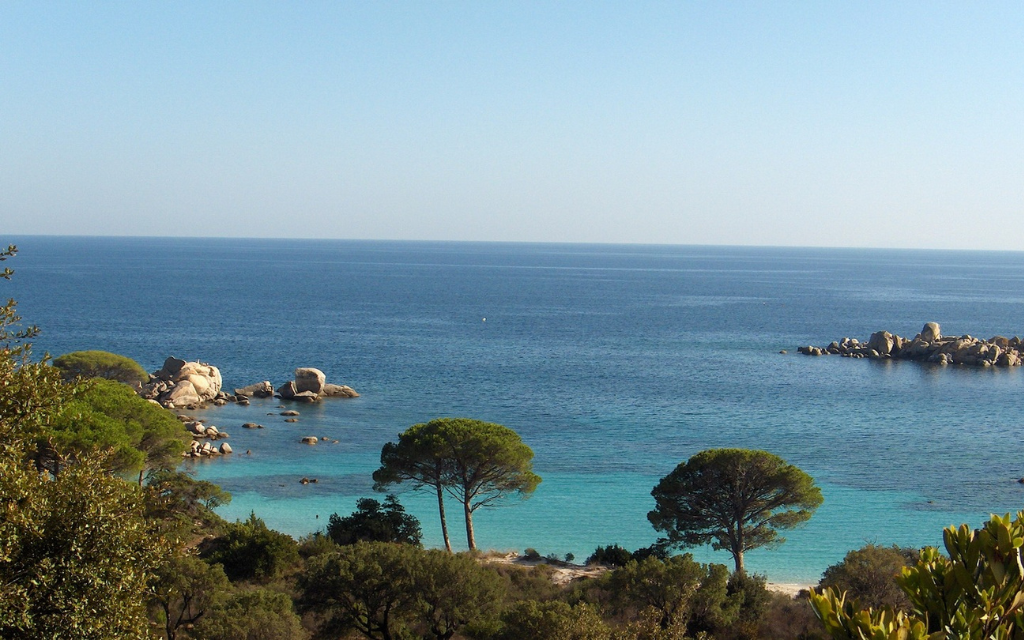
column 489, row 463
column 734, row 499
column 251, row 551
column 478, row 463
column 101, row 364
column 182, row 507
column 552, row 621
column 419, row 457
column 684, row 594
column 976, row 591
column 869, row 574
column 455, row 591
column 259, row 614
column 184, row 589
column 373, row 522
column 107, row 415
column 76, row 554
column 367, row 587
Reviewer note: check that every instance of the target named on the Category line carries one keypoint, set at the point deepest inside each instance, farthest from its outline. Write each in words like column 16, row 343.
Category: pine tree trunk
column 469, row 525
column 444, row 521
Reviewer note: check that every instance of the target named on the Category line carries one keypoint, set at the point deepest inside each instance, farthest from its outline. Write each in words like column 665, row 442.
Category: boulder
column 287, row 390
column 309, row 379
column 881, row 342
column 305, row 396
column 259, row 390
column 290, row 413
column 252, row 425
column 183, row 393
column 338, row 391
column 309, row 440
column 225, row 448
column 930, row 332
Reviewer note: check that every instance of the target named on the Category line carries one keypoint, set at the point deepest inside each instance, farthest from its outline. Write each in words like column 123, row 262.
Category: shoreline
column 566, row 572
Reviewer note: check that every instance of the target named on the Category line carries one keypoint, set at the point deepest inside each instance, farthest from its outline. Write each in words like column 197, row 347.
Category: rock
column 171, row 367
column 338, row 391
column 309, row 379
column 182, row 394
column 252, row 425
column 306, row 396
column 259, row 390
column 290, row 413
column 287, row 391
column 881, row 342
column 291, row 419
column 783, row 352
column 309, row 440
column 225, row 448
column 931, row 332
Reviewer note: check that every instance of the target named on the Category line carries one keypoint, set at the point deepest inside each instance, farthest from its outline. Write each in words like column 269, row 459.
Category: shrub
column 251, row 551
column 374, row 522
column 255, row 615
column 531, row 554
column 612, row 555
column 101, row 364
column 869, row 575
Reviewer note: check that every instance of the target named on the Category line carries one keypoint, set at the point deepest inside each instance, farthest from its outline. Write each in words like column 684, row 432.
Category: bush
column 259, row 614
column 531, row 554
column 251, row 551
column 869, row 575
column 374, row 522
column 101, row 364
column 612, row 555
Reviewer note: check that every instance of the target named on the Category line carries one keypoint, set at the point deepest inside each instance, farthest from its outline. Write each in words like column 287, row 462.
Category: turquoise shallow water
column 614, row 363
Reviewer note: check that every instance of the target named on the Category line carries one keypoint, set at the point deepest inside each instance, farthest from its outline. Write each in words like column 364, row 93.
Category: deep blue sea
column 614, row 363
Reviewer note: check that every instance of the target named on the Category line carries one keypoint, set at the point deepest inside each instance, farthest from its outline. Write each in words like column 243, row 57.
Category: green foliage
column 977, row 591
column 551, row 621
column 868, row 575
column 101, row 364
column 733, row 499
column 455, row 592
column 184, row 589
column 366, row 587
column 258, row 614
column 183, row 507
column 613, row 555
column 479, row 463
column 374, row 522
column 420, row 459
column 76, row 554
column 250, row 551
column 680, row 593
column 108, row 415
column 384, row 590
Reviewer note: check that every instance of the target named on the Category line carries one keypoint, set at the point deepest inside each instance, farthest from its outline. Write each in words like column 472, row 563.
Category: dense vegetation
column 86, row 553
column 101, row 364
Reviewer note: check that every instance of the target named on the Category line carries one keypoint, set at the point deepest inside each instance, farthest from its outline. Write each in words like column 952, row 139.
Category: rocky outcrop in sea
column 929, row 346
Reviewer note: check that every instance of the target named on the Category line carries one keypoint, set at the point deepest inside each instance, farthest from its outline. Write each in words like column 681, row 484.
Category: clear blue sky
column 881, row 124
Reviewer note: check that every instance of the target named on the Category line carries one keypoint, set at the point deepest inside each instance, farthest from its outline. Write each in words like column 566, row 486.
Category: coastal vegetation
column 86, row 552
column 101, row 364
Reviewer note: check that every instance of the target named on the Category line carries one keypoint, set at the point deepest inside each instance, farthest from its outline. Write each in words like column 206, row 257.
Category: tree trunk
column 738, row 556
column 469, row 525
column 444, row 521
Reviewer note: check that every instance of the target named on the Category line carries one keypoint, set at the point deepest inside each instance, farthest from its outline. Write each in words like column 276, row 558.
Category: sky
column 858, row 124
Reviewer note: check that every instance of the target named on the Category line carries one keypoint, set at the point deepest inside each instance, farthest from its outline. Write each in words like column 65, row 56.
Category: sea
column 614, row 363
